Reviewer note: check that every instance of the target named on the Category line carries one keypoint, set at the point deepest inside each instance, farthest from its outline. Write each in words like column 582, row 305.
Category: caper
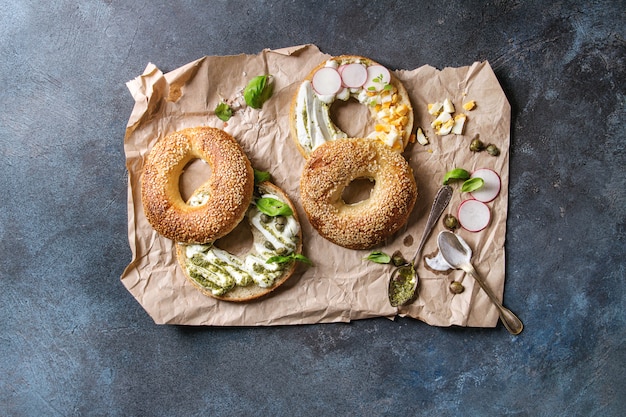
column 269, row 245
column 282, row 251
column 456, row 287
column 477, row 145
column 493, row 150
column 281, row 220
column 265, row 218
column 397, row 259
column 280, row 227
column 450, row 222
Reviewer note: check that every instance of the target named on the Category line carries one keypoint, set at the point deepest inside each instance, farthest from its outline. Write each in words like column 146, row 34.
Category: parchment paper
column 341, row 286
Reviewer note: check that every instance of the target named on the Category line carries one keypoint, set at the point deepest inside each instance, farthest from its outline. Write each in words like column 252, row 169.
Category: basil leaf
column 472, row 185
column 258, row 91
column 455, row 174
column 223, row 111
column 273, row 207
column 260, row 176
column 379, row 257
column 289, row 258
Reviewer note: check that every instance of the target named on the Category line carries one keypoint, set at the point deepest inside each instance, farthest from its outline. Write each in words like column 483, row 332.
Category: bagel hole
column 194, row 174
column 360, row 189
column 238, row 242
column 352, row 117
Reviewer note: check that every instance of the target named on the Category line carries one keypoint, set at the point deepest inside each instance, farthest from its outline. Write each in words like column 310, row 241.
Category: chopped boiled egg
column 421, row 137
column 446, row 121
column 448, row 107
column 459, row 124
column 470, row 105
column 435, row 108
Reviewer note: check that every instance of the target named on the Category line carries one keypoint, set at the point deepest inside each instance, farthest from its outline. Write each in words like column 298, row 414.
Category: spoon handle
column 510, row 321
column 439, row 205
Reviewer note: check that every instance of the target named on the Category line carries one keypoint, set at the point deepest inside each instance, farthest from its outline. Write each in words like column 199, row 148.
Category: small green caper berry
column 493, row 150
column 282, row 251
column 456, row 287
column 397, row 259
column 477, row 145
column 265, row 218
column 269, row 245
column 281, row 220
column 280, row 227
column 450, row 222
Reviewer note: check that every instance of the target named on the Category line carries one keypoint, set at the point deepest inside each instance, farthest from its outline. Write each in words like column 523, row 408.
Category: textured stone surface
column 75, row 342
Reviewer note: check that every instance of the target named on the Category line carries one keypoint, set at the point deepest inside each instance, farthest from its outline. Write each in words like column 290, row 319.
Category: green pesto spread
column 401, row 288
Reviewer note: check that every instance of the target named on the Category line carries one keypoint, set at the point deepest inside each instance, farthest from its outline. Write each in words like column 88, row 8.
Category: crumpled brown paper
column 341, row 286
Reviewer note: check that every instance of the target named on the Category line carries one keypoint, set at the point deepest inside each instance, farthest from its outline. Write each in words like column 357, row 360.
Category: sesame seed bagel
column 247, row 276
column 223, row 198
column 332, row 167
column 388, row 103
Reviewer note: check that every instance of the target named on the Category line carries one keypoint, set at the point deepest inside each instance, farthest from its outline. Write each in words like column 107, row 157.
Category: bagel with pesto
column 270, row 261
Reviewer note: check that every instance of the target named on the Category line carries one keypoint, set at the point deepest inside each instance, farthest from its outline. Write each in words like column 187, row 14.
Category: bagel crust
column 250, row 275
column 332, row 167
column 224, row 197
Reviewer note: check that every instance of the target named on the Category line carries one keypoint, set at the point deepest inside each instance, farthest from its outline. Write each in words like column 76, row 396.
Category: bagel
column 225, row 276
column 384, row 95
column 224, row 197
column 332, row 167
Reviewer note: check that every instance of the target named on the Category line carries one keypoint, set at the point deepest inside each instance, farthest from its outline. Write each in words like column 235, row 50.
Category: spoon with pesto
column 404, row 280
column 455, row 254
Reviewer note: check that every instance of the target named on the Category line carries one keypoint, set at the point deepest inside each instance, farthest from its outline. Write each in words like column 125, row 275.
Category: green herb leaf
column 223, row 111
column 291, row 257
column 260, row 176
column 379, row 257
column 273, row 207
column 472, row 185
column 258, row 90
column 455, row 174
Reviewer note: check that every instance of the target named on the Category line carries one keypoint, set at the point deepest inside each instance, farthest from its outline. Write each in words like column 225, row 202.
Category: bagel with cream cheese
column 223, row 199
column 343, row 77
column 332, row 167
column 245, row 277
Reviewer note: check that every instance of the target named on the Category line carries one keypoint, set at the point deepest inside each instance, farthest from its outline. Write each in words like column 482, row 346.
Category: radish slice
column 326, row 81
column 474, row 215
column 491, row 187
column 353, row 75
column 377, row 77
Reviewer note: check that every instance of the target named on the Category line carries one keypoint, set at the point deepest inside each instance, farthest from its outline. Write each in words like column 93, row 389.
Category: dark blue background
column 73, row 341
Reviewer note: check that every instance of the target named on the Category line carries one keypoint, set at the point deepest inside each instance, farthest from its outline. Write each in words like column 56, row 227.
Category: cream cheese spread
column 219, row 270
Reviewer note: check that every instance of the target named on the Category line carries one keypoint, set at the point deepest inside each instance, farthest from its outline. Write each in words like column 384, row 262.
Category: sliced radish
column 474, row 215
column 491, row 187
column 326, row 81
column 377, row 77
column 353, row 75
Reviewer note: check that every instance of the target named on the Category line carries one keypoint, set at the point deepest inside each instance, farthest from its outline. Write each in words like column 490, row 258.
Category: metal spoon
column 406, row 274
column 455, row 254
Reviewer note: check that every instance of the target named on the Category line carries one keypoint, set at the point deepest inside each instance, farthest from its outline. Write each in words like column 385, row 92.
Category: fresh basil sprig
column 260, row 176
column 223, row 111
column 288, row 258
column 258, row 91
column 472, row 185
column 379, row 257
column 455, row 174
column 273, row 207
